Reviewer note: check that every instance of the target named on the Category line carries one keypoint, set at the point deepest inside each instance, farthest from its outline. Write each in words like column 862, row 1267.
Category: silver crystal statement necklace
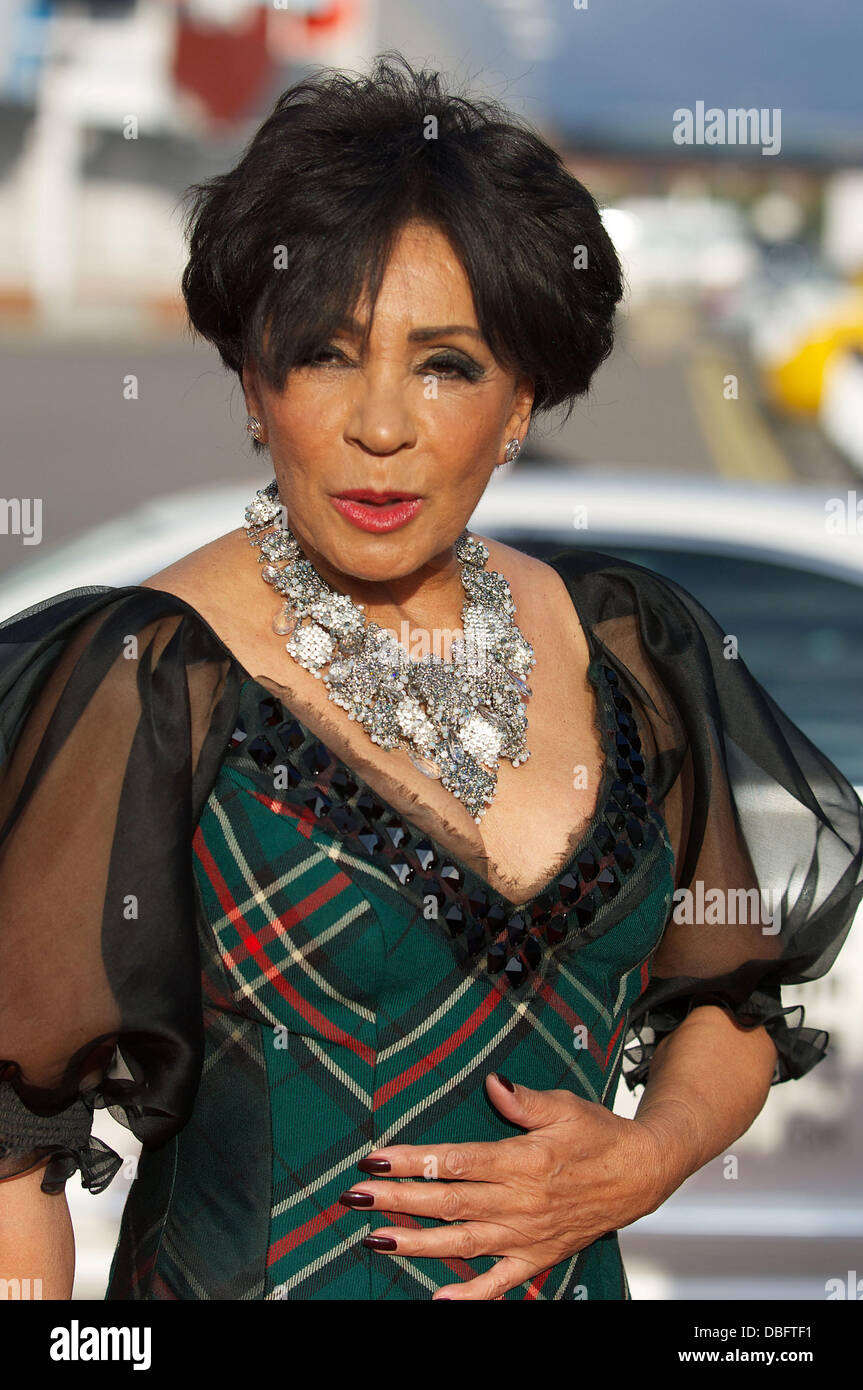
column 456, row 718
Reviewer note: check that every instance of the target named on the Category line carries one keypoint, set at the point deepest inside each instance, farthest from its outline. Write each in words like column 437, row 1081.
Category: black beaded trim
column 475, row 915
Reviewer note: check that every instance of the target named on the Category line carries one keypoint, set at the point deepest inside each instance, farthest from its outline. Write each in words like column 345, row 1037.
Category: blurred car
column 841, row 408
column 776, row 568
column 797, row 336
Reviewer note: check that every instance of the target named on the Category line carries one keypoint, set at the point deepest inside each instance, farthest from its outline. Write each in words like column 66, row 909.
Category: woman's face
column 427, row 412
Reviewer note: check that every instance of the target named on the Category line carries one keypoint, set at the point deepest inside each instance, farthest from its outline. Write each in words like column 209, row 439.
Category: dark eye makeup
column 449, row 363
column 456, row 362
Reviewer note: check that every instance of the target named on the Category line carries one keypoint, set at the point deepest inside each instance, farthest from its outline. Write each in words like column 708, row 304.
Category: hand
column 534, row 1199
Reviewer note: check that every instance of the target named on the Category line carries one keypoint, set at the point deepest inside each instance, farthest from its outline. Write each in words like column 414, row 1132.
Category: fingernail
column 374, row 1165
column 505, row 1081
column 380, row 1243
column 357, row 1199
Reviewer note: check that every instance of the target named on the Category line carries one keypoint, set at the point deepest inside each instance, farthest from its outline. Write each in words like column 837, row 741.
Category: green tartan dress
column 216, row 929
column 359, row 985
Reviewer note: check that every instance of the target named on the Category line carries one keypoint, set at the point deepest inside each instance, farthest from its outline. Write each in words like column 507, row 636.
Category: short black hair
column 332, row 175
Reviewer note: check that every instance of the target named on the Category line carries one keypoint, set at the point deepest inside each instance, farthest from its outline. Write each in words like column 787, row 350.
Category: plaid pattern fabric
column 353, row 999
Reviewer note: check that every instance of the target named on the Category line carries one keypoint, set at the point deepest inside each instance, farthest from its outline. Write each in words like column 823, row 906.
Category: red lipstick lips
column 377, row 511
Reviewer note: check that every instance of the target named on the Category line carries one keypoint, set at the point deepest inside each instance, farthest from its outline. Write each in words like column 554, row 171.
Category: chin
column 384, row 559
column 370, row 555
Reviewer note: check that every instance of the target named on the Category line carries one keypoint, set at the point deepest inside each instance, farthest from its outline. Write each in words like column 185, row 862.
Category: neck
column 430, row 597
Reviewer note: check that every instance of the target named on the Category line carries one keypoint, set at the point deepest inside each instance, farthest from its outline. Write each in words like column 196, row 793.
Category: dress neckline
column 614, row 742
column 509, row 941
column 475, row 881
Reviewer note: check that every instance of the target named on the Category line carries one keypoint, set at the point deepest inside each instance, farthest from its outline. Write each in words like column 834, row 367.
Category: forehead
column 424, row 281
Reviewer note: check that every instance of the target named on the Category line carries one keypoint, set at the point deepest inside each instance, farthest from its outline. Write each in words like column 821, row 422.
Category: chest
column 540, row 808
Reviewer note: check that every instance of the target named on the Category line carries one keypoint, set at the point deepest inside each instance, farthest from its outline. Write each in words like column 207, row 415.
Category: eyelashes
column 448, row 365
column 470, row 371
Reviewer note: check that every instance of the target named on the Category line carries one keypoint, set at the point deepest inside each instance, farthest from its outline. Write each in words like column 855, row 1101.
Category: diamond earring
column 511, row 452
column 253, row 425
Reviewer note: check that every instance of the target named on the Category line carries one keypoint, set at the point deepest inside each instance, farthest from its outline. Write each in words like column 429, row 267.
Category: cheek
column 464, row 427
column 303, row 428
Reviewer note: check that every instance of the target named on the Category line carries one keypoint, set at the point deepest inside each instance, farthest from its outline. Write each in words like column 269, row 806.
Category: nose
column 380, row 419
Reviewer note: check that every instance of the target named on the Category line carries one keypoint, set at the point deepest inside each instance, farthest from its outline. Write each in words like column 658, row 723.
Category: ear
column 522, row 403
column 251, row 390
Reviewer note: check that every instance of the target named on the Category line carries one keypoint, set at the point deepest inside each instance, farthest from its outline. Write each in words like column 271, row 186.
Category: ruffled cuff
column 798, row 1049
column 27, row 1138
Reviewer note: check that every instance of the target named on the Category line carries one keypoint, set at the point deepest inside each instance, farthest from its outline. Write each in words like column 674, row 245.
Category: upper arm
column 108, row 761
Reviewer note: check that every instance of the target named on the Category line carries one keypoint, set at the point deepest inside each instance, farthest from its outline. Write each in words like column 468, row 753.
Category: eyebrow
column 421, row 335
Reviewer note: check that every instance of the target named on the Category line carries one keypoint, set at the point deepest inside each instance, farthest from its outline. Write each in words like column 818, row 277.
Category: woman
column 353, row 935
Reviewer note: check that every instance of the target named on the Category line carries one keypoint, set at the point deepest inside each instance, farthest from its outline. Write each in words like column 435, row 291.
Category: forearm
column 708, row 1080
column 37, row 1242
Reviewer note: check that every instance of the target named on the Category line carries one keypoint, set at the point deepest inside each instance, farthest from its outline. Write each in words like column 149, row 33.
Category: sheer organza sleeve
column 115, row 709
column 767, row 833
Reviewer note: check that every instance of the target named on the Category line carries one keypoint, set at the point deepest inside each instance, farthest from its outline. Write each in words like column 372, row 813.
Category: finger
column 529, row 1108
column 462, row 1242
column 506, row 1274
column 491, row 1162
column 441, row 1201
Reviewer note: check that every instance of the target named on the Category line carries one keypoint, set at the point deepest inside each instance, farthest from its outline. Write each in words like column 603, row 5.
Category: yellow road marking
column 739, row 440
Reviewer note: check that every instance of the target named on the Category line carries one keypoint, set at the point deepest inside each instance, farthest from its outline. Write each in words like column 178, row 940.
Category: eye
column 448, row 364
column 453, row 364
column 326, row 352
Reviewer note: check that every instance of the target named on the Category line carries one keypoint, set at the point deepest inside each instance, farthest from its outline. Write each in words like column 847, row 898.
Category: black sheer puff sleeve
column 767, row 834
column 116, row 706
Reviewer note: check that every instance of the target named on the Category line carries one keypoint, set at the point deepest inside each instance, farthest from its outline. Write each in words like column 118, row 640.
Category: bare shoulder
column 524, row 568
column 536, row 586
column 206, row 575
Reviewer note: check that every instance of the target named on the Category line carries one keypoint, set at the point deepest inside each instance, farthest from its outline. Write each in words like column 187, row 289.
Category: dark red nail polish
column 505, row 1081
column 357, row 1199
column 380, row 1243
column 374, row 1165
